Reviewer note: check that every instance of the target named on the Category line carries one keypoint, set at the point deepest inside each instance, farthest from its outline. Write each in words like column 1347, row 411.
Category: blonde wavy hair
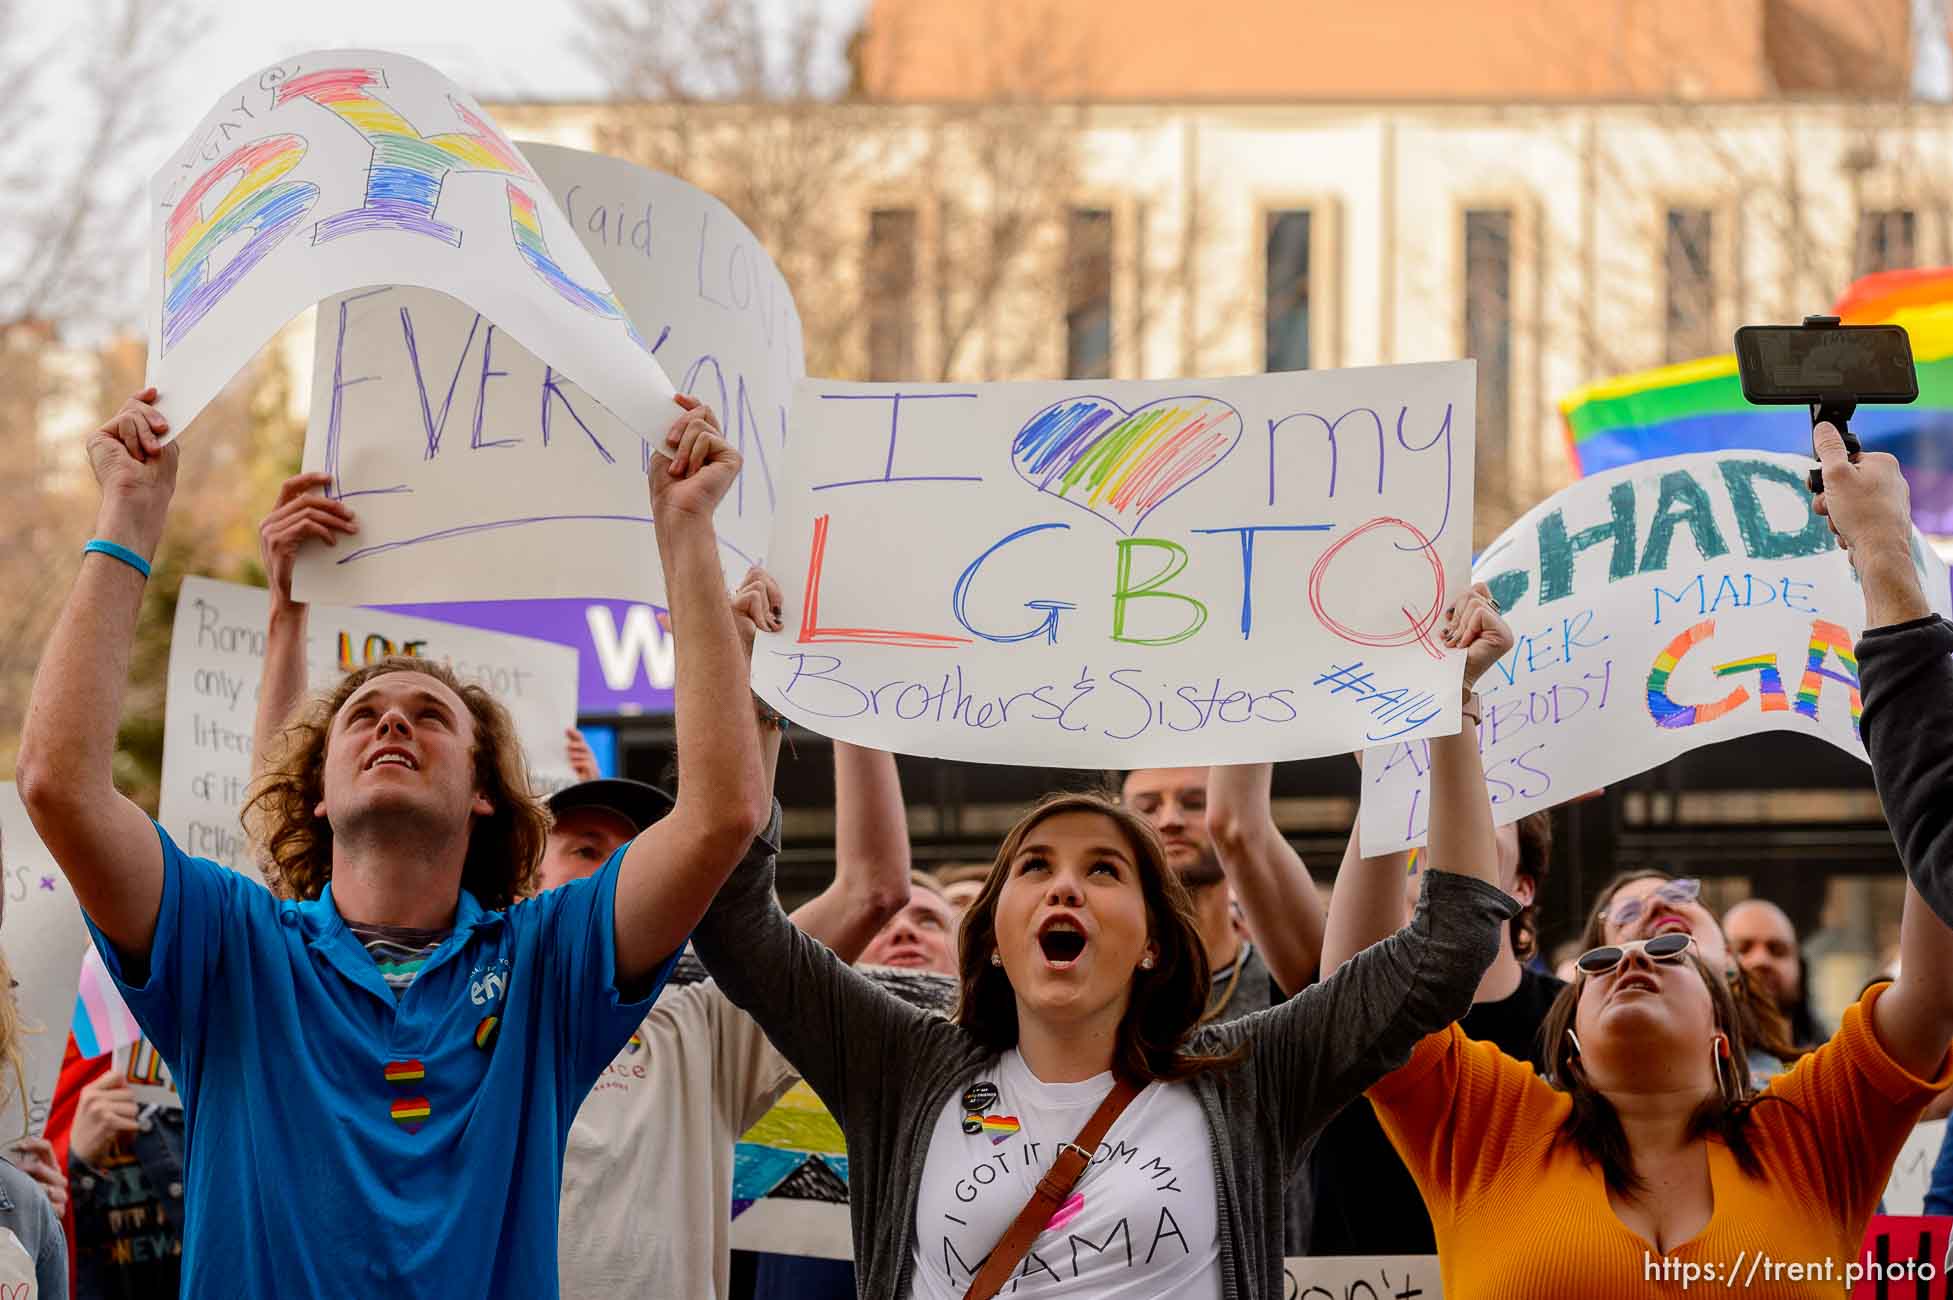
column 11, row 1029
column 504, row 848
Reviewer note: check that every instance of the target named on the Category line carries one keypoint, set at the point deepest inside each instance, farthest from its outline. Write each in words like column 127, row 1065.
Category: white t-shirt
column 1142, row 1222
column 647, row 1176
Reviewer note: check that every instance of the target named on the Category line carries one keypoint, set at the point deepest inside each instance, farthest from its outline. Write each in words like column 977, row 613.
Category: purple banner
column 624, row 651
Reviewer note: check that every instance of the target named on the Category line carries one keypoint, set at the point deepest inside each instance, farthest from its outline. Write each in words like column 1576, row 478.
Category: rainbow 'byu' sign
column 1119, row 574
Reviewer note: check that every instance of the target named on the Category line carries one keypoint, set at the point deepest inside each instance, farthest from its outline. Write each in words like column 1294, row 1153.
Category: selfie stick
column 1835, row 410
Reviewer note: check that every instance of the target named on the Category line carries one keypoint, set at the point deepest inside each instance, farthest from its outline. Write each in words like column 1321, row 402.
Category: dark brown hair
column 504, row 848
column 1593, row 1127
column 1762, row 1023
column 1167, row 1001
column 1535, row 832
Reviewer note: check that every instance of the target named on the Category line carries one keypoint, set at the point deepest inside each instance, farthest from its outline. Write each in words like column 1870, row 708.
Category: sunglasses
column 1666, row 948
column 1674, row 893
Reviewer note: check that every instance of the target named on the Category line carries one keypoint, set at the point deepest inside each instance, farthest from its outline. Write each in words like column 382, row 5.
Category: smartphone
column 1798, row 364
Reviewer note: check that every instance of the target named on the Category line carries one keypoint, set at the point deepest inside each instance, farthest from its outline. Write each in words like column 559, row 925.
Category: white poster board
column 1912, row 1172
column 1658, row 607
column 44, row 939
column 483, row 473
column 336, row 169
column 217, row 660
column 1121, row 573
column 1359, row 1277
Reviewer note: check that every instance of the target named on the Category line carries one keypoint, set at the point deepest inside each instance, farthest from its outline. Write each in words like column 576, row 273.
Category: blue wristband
column 116, row 551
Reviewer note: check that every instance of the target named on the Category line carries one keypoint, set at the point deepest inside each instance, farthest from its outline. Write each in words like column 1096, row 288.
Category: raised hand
column 134, row 466
column 755, row 605
column 303, row 510
column 693, row 470
column 583, row 763
column 1473, row 623
column 105, row 1111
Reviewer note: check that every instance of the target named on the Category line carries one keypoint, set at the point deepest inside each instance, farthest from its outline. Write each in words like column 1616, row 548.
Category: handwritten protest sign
column 44, row 940
column 1912, row 1172
column 1658, row 607
column 1108, row 574
column 481, row 472
column 217, row 659
column 1359, row 1277
column 337, row 169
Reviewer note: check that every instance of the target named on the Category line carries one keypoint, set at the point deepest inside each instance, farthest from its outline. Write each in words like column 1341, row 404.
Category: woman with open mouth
column 1071, row 1130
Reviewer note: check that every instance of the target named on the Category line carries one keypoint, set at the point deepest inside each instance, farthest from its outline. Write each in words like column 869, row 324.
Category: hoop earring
column 1725, row 1076
column 1573, row 1038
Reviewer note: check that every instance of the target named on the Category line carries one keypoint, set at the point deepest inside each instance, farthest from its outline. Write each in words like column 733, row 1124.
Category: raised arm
column 104, row 844
column 853, row 1041
column 871, row 854
column 671, row 871
column 1280, row 901
column 1905, row 664
column 1368, row 903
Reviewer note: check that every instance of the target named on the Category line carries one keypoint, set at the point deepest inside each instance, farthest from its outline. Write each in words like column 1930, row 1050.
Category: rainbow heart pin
column 998, row 1128
column 1122, row 465
column 411, row 1112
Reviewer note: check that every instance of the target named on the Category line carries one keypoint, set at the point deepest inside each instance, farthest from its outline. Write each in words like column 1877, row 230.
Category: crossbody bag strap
column 1052, row 1189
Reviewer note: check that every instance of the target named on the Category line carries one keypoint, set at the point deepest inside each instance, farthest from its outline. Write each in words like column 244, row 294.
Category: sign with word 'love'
column 217, row 654
column 481, row 471
column 1122, row 574
column 1657, row 608
column 339, row 169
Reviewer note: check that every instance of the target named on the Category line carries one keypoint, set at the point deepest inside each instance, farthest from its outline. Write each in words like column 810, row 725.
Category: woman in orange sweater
column 1650, row 1165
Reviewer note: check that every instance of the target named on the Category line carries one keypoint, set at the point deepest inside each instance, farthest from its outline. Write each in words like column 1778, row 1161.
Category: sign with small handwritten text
column 1658, row 607
column 1124, row 573
column 44, row 940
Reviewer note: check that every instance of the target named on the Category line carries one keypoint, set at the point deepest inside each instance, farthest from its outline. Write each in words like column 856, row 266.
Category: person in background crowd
column 647, row 1176
column 961, row 884
column 1765, row 946
column 1645, row 903
column 409, row 1003
column 125, row 1168
column 1650, row 1149
column 1083, row 975
column 921, row 936
column 1219, row 830
column 1366, row 1202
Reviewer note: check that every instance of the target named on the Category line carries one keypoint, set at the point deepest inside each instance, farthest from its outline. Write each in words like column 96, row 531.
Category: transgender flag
column 1699, row 406
column 102, row 1019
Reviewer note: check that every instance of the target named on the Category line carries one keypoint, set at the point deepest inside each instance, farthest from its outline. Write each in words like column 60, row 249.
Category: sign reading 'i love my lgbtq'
column 1124, row 574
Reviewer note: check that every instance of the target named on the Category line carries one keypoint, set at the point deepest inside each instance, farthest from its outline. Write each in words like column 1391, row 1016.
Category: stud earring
column 1145, row 963
column 996, row 958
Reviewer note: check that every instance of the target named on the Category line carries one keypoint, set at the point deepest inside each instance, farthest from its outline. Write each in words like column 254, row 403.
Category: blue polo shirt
column 343, row 1142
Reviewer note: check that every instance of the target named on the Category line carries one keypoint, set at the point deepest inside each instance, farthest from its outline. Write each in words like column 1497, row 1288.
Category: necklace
column 1233, row 973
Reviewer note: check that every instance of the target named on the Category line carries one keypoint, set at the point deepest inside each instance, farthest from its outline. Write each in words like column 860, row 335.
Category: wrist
column 127, row 524
column 287, row 615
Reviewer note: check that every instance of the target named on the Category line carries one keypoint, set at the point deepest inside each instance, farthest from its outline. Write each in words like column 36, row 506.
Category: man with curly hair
column 379, row 1072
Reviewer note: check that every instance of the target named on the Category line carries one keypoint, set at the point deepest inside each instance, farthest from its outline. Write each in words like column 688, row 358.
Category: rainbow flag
column 102, row 1020
column 1699, row 406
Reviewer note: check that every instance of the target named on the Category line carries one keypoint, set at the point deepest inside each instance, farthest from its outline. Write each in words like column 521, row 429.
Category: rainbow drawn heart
column 1119, row 464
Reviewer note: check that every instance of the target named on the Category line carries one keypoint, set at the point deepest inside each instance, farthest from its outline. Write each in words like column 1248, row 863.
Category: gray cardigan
column 886, row 1069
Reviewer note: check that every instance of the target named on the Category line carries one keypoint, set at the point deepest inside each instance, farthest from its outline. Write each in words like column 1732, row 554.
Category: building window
column 1887, row 240
column 1690, row 328
column 891, row 276
column 1287, row 311
column 1088, row 294
column 1488, row 336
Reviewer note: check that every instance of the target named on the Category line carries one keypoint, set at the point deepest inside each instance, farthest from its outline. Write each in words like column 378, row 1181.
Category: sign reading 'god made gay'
column 1118, row 574
column 343, row 168
column 1659, row 607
